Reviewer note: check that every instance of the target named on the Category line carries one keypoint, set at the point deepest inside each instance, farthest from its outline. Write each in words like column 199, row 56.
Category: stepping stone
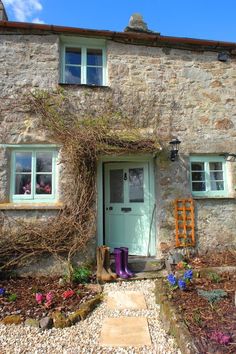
column 126, row 300
column 125, row 331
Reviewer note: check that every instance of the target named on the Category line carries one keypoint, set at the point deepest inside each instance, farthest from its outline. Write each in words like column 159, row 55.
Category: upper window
column 84, row 62
column 33, row 175
column 208, row 176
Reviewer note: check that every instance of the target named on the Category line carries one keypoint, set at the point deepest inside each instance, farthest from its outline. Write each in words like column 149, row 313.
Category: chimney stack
column 3, row 14
column 137, row 24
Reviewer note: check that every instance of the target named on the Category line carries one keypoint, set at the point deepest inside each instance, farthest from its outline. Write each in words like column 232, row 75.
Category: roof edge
column 140, row 37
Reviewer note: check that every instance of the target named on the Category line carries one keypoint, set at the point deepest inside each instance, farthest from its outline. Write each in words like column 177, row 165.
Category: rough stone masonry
column 177, row 91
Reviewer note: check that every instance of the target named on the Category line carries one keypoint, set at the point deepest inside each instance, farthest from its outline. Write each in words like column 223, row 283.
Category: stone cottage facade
column 177, row 87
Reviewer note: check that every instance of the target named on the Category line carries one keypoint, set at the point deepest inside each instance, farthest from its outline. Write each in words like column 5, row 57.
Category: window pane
column 44, row 162
column 198, row 176
column 94, row 57
column 43, row 184
column 136, row 190
column 116, row 186
column 23, row 161
column 217, row 186
column 72, row 75
column 73, row 56
column 198, row 186
column 23, row 184
column 216, row 176
column 214, row 166
column 197, row 166
column 94, row 76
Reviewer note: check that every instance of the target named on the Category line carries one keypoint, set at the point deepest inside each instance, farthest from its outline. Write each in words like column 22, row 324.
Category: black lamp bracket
column 228, row 156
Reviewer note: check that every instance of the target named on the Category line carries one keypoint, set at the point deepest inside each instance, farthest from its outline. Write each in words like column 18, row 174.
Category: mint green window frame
column 83, row 44
column 33, row 197
column 206, row 160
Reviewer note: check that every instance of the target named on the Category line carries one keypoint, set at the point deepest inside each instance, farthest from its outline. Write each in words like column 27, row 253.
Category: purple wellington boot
column 125, row 252
column 118, row 264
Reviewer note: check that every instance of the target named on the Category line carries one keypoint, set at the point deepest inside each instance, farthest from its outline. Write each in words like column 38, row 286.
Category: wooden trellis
column 184, row 222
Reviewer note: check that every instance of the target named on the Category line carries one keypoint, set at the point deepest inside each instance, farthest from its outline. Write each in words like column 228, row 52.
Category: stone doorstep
column 142, row 264
column 126, row 300
column 125, row 332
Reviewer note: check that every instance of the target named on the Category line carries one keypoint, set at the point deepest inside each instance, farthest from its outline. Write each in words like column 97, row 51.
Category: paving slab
column 128, row 300
column 125, row 332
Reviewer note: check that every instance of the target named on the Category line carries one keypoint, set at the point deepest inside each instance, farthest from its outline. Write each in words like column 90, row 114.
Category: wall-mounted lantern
column 174, row 149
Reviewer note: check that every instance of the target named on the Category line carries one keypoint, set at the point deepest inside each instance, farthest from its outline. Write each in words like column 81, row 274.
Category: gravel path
column 84, row 336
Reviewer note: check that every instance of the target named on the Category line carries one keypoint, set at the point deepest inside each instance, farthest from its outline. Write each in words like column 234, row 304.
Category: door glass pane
column 44, row 162
column 23, row 161
column 23, row 184
column 136, row 189
column 43, row 184
column 116, row 186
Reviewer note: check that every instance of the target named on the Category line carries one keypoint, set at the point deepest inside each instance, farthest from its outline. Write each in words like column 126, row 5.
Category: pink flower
column 39, row 298
column 49, row 296
column 220, row 337
column 47, row 189
column 48, row 304
column 68, row 293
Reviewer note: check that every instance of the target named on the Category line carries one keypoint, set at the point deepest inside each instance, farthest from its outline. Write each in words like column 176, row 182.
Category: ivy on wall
column 83, row 136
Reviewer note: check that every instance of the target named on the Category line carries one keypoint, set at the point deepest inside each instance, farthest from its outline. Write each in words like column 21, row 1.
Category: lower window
column 208, row 176
column 33, row 175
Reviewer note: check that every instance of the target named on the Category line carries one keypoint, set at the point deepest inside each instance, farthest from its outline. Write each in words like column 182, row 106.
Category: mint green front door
column 127, row 206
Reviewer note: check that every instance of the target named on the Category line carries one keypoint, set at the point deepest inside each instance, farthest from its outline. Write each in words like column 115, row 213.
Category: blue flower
column 2, row 291
column 182, row 284
column 188, row 275
column 172, row 279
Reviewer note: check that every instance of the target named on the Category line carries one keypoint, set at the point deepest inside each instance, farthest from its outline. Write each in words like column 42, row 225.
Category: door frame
column 148, row 158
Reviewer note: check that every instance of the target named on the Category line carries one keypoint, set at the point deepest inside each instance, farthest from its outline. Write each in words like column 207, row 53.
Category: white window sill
column 31, row 206
column 212, row 197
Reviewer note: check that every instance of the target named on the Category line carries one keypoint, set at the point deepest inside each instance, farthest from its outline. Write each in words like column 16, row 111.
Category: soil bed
column 204, row 318
column 25, row 303
column 214, row 259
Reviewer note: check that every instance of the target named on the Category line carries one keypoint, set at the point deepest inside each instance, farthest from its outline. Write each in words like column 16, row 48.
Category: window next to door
column 33, row 175
column 83, row 61
column 208, row 176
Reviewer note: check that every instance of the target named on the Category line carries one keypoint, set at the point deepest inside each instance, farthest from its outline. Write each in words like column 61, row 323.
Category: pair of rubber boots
column 104, row 272
column 121, row 262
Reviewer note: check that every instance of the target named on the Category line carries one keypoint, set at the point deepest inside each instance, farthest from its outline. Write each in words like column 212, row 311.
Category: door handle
column 110, row 208
column 126, row 210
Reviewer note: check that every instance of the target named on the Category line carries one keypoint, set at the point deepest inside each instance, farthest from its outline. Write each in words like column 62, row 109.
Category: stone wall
column 183, row 93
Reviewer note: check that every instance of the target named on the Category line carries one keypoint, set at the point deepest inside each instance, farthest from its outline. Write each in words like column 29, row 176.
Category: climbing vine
column 82, row 137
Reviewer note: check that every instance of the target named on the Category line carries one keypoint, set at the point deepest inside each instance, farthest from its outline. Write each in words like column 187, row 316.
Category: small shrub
column 12, row 297
column 81, row 275
column 197, row 318
column 212, row 295
column 214, row 277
